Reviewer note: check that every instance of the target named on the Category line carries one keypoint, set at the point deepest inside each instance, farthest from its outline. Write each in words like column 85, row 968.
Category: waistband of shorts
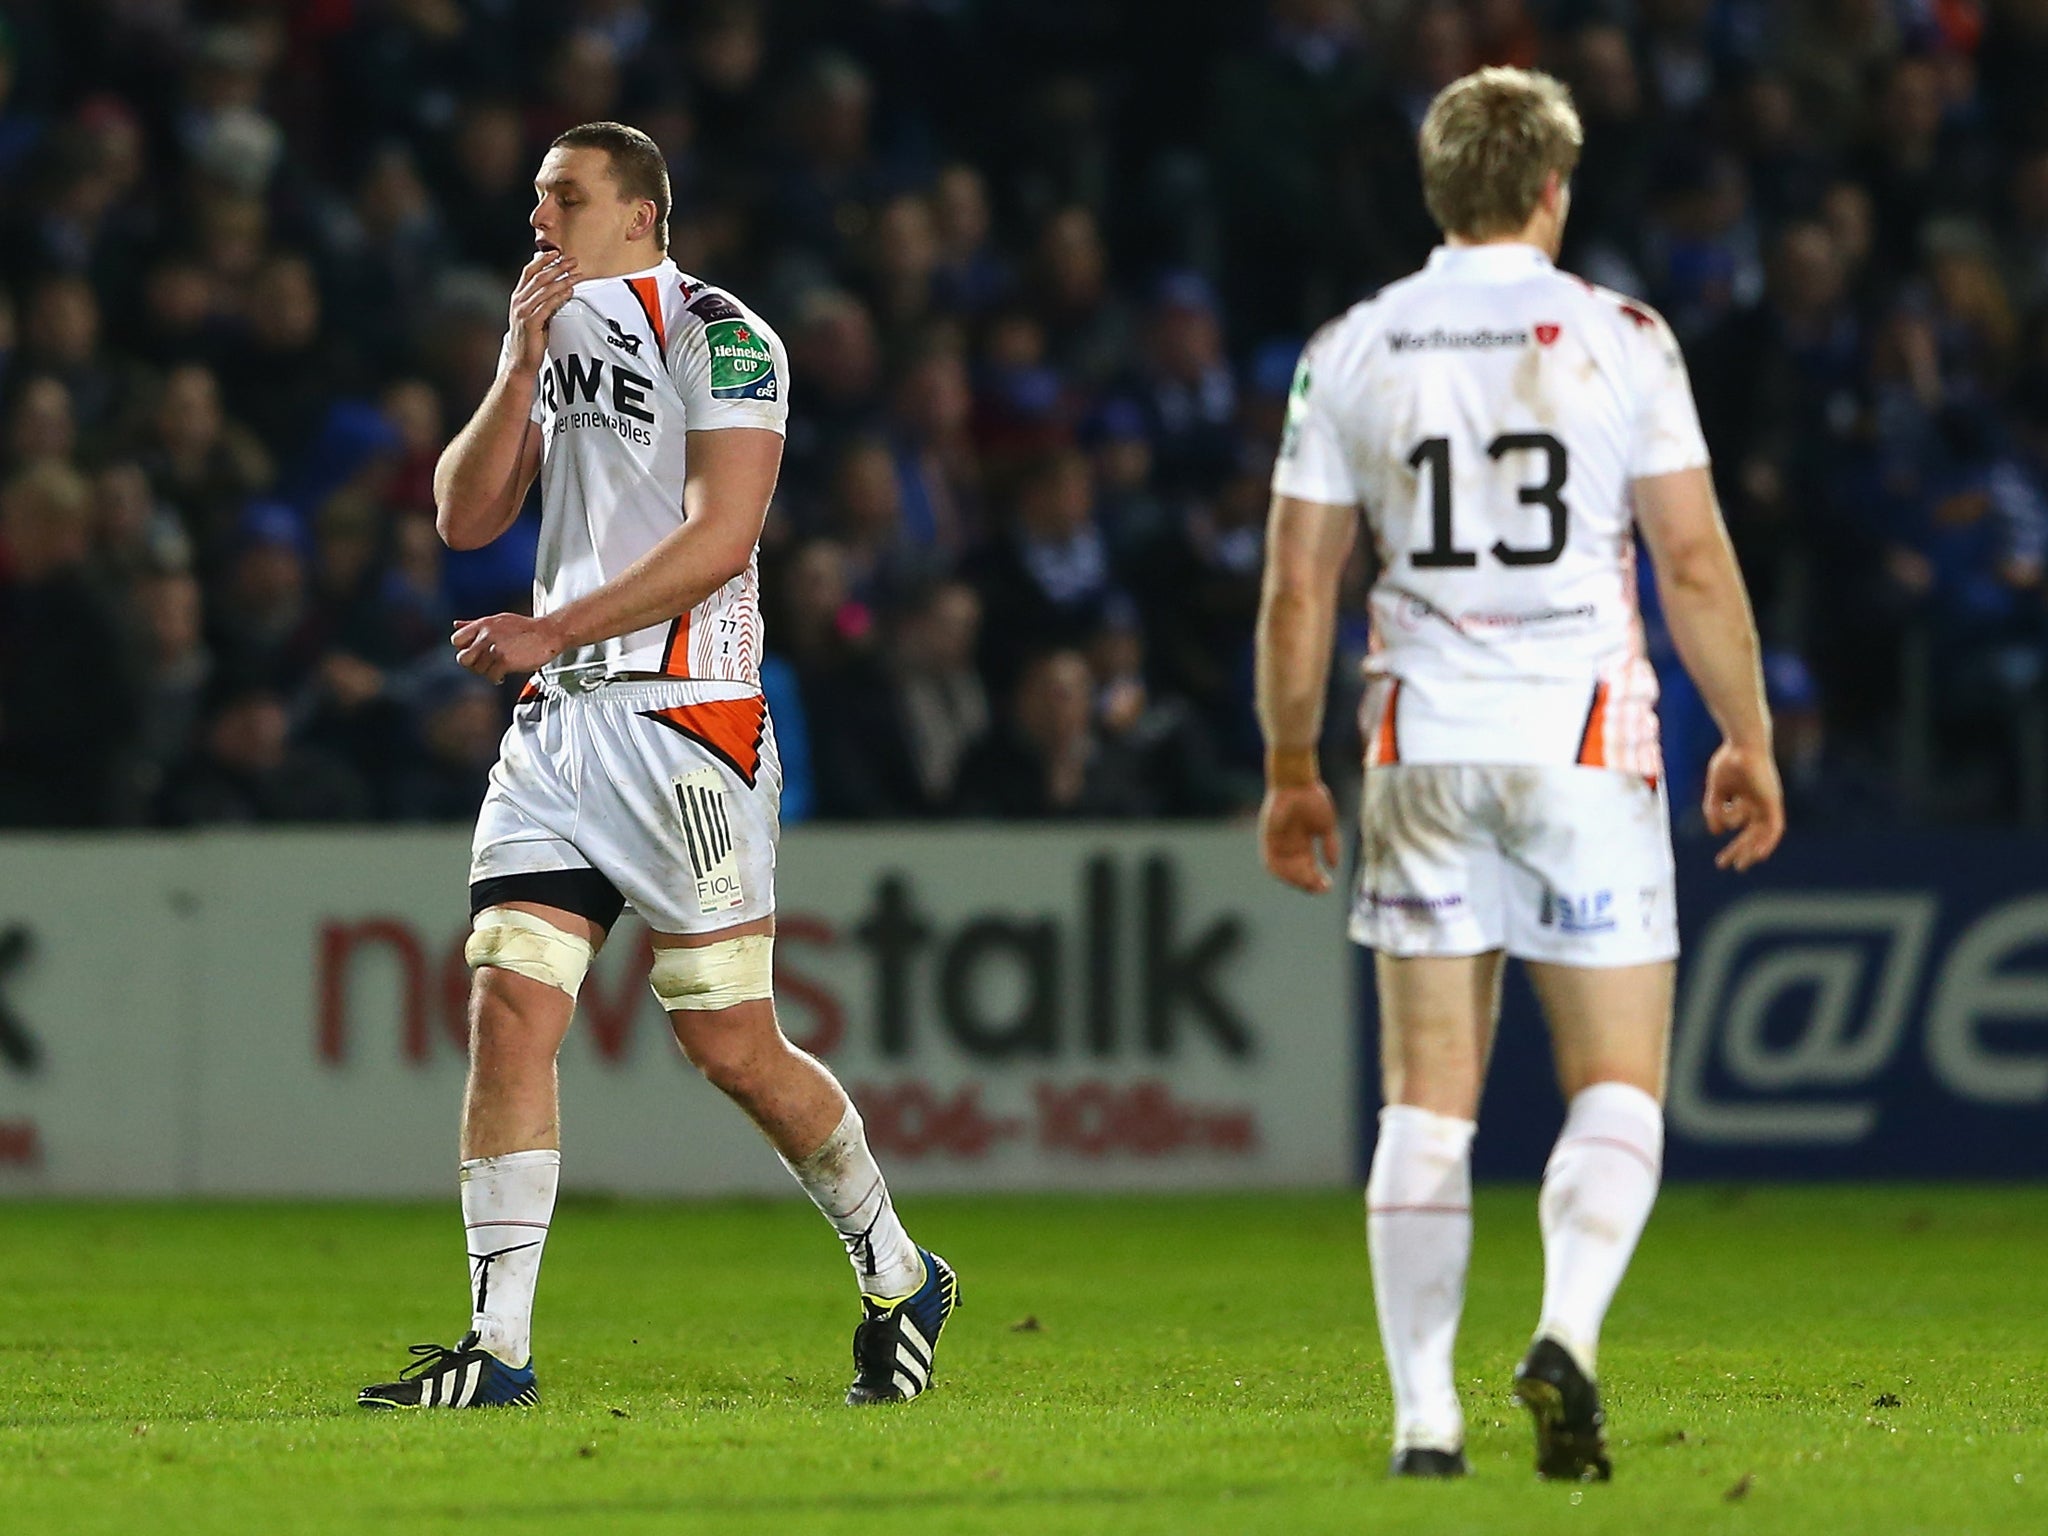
column 639, row 692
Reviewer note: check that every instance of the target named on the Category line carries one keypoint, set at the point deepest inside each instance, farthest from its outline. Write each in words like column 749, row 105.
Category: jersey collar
column 665, row 265
column 1489, row 263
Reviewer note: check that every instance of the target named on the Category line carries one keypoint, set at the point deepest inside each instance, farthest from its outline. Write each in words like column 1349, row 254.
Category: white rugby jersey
column 633, row 364
column 1488, row 414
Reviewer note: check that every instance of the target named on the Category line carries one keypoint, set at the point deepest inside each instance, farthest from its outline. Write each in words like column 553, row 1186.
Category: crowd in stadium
column 1043, row 270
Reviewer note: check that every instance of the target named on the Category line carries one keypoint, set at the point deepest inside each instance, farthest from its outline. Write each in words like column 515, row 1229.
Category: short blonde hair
column 1489, row 142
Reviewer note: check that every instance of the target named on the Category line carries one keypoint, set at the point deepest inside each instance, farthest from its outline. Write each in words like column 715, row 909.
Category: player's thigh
column 528, row 956
column 1587, row 876
column 685, row 829
column 726, row 1032
column 1608, row 1024
column 1429, row 871
column 1590, row 905
column 1436, row 1020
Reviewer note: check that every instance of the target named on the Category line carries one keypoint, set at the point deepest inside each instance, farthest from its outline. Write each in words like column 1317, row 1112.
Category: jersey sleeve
column 730, row 367
column 1668, row 436
column 1313, row 464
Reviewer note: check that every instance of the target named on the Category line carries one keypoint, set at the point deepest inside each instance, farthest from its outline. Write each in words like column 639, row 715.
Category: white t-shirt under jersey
column 633, row 364
column 1488, row 414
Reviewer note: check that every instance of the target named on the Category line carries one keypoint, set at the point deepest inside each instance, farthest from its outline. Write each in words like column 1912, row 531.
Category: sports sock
column 1418, row 1228
column 1597, row 1192
column 843, row 1181
column 507, row 1202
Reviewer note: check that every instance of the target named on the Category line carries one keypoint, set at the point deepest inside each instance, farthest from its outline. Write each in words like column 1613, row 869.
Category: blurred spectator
column 458, row 720
column 487, row 189
column 1047, row 759
column 1186, row 388
column 937, row 476
column 837, row 366
column 825, row 195
column 61, row 338
column 262, row 604
column 177, row 669
column 1612, row 185
column 1088, row 329
column 202, row 465
column 1044, row 581
column 867, row 519
column 247, row 770
column 972, row 275
column 924, row 708
column 1175, row 752
column 902, row 267
column 281, row 377
column 179, row 321
column 61, row 765
column 42, row 429
column 132, row 535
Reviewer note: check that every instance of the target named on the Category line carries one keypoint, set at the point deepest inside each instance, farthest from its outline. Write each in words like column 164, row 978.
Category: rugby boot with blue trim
column 895, row 1342
column 462, row 1377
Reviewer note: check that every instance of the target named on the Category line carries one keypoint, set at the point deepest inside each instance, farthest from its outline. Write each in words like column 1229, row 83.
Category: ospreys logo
column 630, row 345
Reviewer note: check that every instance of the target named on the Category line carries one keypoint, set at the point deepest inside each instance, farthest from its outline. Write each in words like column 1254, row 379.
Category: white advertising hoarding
column 282, row 1013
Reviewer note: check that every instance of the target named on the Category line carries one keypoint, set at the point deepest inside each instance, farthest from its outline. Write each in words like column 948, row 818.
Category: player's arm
column 483, row 475
column 1708, row 613
column 1307, row 545
column 729, row 478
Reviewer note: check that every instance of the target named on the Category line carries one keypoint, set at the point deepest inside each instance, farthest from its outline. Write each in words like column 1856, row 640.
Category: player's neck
column 1542, row 232
column 630, row 262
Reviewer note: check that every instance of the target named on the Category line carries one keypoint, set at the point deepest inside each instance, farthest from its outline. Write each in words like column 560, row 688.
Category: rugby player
column 1508, row 431
column 640, row 767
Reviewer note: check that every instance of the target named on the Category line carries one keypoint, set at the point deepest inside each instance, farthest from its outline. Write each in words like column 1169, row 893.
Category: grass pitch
column 1819, row 1360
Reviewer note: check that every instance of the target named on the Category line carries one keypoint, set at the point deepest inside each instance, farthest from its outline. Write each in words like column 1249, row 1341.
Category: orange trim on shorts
column 648, row 291
column 1593, row 739
column 731, row 730
column 1386, row 744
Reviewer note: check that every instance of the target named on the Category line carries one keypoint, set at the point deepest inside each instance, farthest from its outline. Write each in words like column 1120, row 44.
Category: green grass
column 1199, row 1365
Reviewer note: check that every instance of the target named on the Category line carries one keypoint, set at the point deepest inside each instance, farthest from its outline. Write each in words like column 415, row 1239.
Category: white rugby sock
column 1597, row 1192
column 844, row 1182
column 1418, row 1228
column 507, row 1202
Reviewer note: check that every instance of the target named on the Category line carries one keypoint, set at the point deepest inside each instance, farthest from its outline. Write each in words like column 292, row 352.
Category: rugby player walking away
column 1502, row 425
column 641, row 764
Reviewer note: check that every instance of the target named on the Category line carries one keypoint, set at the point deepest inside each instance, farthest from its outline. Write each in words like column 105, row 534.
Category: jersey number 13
column 1434, row 455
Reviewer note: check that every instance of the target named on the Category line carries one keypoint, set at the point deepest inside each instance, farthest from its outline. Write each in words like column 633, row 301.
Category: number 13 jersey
column 1488, row 414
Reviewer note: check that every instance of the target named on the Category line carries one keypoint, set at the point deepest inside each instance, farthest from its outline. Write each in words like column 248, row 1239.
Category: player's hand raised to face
column 1744, row 797
column 544, row 287
column 1298, row 836
column 505, row 643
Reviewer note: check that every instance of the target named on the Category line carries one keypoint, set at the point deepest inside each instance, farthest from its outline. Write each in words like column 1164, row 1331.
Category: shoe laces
column 874, row 1346
column 428, row 1358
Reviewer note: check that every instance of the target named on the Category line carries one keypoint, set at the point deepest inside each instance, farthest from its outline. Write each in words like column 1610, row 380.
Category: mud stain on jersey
column 1527, row 385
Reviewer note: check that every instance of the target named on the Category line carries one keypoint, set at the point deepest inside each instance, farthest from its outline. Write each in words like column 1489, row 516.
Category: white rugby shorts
column 676, row 803
column 1549, row 862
